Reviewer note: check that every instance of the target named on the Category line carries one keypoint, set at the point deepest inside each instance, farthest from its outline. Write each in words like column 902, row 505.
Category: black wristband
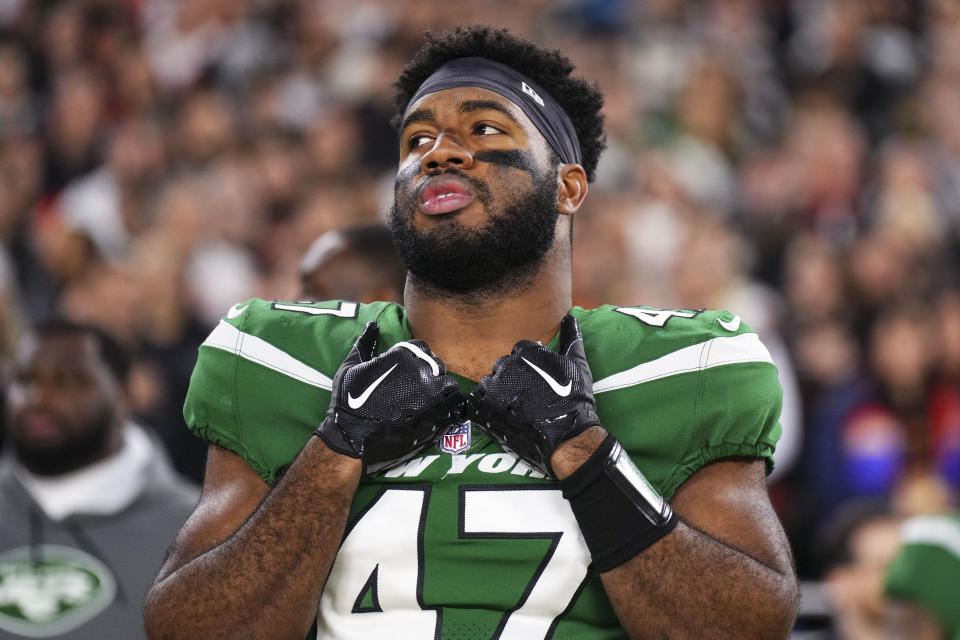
column 619, row 513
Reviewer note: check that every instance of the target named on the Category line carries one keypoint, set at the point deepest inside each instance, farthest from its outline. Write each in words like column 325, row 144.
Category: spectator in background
column 73, row 129
column 891, row 578
column 923, row 580
column 861, row 541
column 357, row 263
column 894, row 425
column 88, row 499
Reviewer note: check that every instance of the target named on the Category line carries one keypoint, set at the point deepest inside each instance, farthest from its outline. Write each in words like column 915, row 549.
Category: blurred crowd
column 795, row 161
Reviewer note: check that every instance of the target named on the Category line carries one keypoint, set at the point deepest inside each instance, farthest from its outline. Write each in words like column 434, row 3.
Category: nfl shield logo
column 456, row 438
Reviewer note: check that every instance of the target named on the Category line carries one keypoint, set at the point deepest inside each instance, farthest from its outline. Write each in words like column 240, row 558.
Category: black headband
column 548, row 116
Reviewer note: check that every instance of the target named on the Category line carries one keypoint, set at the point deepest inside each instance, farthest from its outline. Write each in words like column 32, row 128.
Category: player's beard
column 83, row 446
column 472, row 264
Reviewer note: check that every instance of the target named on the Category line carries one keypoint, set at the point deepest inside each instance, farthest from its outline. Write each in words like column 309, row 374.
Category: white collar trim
column 103, row 488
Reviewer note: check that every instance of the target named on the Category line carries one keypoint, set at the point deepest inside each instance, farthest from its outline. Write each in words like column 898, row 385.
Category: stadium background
column 796, row 161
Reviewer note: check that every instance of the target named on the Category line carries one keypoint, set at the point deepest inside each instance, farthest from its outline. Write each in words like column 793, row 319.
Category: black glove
column 535, row 398
column 388, row 408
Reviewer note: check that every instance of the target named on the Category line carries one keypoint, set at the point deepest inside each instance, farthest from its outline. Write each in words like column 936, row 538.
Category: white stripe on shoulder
column 716, row 352
column 249, row 347
column 940, row 531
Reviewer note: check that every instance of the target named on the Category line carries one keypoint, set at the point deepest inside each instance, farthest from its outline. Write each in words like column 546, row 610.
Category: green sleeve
column 262, row 380
column 738, row 414
column 682, row 391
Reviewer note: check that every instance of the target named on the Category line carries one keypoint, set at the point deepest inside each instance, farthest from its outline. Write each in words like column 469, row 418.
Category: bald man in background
column 358, row 263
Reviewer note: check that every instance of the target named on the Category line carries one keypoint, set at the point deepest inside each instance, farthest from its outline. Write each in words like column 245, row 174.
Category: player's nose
column 446, row 151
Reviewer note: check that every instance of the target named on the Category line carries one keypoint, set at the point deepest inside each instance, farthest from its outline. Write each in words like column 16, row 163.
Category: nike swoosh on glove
column 385, row 409
column 535, row 398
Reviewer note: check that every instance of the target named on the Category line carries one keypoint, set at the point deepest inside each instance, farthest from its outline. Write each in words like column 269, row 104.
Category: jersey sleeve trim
column 231, row 444
column 716, row 352
column 228, row 338
column 712, row 454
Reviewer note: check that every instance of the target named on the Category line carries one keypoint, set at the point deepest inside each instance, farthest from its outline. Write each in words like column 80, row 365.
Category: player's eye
column 486, row 130
column 418, row 139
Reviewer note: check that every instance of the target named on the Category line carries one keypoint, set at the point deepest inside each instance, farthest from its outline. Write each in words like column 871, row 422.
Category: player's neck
column 469, row 336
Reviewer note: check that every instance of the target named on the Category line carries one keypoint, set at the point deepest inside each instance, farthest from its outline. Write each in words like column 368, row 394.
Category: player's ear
column 571, row 188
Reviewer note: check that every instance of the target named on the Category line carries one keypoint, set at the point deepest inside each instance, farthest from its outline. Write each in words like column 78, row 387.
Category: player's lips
column 39, row 426
column 445, row 194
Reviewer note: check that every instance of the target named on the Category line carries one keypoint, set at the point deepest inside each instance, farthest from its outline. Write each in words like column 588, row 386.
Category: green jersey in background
column 926, row 571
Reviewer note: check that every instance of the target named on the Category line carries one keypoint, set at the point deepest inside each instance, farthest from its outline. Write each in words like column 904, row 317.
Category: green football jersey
column 465, row 540
column 926, row 571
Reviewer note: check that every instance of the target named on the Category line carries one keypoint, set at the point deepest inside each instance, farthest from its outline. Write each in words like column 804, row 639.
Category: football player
column 484, row 461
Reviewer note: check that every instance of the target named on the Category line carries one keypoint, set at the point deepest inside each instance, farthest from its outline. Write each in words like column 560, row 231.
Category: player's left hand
column 535, row 398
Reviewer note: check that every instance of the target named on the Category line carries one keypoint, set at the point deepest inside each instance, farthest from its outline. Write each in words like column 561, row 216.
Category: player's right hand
column 385, row 409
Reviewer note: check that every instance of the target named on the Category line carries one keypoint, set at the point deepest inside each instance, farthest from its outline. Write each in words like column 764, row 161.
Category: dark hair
column 548, row 68
column 372, row 243
column 112, row 354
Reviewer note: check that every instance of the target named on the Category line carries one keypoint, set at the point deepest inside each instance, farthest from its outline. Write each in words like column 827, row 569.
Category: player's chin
column 48, row 449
